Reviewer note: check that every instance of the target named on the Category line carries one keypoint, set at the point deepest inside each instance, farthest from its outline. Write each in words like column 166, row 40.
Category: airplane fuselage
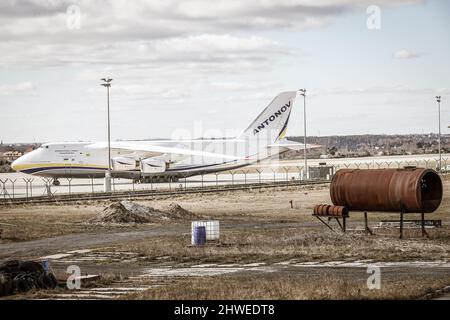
column 78, row 160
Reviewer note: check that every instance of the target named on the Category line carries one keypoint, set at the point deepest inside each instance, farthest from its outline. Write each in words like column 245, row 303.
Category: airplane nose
column 14, row 165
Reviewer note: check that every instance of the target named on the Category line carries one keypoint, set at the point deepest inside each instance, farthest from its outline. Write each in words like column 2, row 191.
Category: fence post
column 259, row 175
column 31, row 187
column 69, row 180
column 245, row 176
column 274, row 177
column 48, row 190
column 26, row 187
column 92, row 185
column 4, row 191
column 300, row 176
column 287, row 174
column 274, row 180
column 13, row 188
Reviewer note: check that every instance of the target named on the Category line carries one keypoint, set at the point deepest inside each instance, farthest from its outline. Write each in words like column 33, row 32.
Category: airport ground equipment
column 408, row 190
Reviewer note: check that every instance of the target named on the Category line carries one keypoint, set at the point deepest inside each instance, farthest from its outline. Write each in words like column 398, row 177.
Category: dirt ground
column 264, row 251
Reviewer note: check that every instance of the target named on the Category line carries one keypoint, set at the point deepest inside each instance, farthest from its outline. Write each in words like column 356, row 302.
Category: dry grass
column 30, row 222
column 301, row 245
column 42, row 221
column 285, row 287
column 105, row 280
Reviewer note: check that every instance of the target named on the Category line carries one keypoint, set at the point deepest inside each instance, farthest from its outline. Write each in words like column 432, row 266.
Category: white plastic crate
column 212, row 229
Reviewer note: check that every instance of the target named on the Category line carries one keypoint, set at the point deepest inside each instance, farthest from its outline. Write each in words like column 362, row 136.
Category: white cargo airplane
column 169, row 159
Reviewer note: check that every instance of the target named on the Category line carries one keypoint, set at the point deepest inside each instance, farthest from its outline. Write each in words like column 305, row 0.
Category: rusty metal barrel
column 328, row 210
column 391, row 190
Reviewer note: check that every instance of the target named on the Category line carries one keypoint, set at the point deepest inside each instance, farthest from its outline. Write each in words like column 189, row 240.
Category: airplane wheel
column 147, row 179
column 56, row 182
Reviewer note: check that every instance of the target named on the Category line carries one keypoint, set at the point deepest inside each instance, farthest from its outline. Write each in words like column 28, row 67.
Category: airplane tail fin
column 271, row 123
column 258, row 139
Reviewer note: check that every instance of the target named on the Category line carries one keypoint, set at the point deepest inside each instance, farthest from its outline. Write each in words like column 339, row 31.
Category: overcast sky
column 209, row 67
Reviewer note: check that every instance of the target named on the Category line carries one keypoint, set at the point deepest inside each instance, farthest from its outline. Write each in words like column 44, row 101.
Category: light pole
column 438, row 99
column 303, row 93
column 107, row 83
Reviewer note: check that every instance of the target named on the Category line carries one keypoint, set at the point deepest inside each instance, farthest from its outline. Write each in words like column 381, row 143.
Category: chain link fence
column 22, row 188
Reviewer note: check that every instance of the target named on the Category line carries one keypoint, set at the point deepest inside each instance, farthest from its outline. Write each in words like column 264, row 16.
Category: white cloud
column 405, row 54
column 394, row 90
column 22, row 88
column 142, row 32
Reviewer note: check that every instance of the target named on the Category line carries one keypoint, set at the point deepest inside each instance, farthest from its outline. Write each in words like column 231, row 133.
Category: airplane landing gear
column 158, row 179
column 56, row 182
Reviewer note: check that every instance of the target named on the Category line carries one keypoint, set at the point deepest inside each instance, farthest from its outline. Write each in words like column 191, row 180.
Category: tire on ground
column 47, row 281
column 20, row 283
column 11, row 266
column 6, row 285
column 31, row 267
column 31, row 281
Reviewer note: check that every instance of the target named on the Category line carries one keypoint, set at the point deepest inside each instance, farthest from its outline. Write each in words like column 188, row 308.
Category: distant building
column 11, row 155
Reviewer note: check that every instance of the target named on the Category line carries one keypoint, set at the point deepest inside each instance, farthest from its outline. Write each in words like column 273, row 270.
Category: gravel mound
column 131, row 212
column 178, row 212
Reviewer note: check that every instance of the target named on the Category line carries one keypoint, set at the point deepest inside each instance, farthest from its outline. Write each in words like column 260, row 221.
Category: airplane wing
column 294, row 145
column 153, row 150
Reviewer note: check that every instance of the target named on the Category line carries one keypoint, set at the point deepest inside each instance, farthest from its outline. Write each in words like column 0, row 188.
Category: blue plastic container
column 46, row 265
column 199, row 236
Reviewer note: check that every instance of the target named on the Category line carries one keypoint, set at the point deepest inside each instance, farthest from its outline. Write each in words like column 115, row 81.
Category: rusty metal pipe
column 392, row 190
column 328, row 210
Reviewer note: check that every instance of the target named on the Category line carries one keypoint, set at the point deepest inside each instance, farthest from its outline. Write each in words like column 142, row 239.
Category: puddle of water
column 81, row 251
column 188, row 272
column 206, row 265
column 285, row 263
column 361, row 264
column 56, row 256
column 120, row 289
column 83, row 296
column 256, row 264
column 231, row 265
column 86, row 255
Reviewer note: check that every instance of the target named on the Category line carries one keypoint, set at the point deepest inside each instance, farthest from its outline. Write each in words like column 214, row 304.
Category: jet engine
column 123, row 163
column 152, row 165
